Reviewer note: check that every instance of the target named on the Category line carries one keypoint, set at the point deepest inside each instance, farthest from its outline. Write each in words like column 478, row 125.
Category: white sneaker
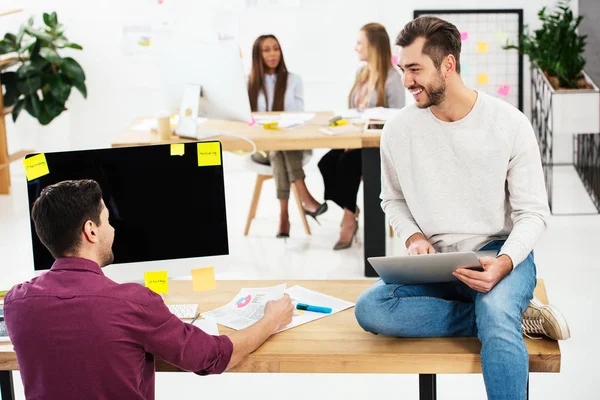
column 541, row 319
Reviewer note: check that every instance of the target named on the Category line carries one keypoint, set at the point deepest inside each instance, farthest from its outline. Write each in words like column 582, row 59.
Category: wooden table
column 336, row 344
column 304, row 137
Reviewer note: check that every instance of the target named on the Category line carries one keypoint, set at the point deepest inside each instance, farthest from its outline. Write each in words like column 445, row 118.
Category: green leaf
column 44, row 117
column 61, row 42
column 50, row 54
column 20, row 35
column 33, row 105
column 17, row 109
column 54, row 19
column 74, row 46
column 47, row 20
column 29, row 85
column 72, row 69
column 10, row 38
column 9, row 80
column 27, row 70
column 81, row 87
column 39, row 34
column 53, row 107
column 59, row 88
column 6, row 47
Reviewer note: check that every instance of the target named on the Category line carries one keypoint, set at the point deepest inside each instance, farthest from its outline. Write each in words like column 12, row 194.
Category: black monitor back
column 162, row 206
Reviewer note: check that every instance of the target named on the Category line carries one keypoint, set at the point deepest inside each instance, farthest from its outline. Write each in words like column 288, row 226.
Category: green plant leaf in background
column 556, row 48
column 40, row 80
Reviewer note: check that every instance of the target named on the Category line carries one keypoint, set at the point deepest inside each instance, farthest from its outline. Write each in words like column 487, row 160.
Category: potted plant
column 565, row 101
column 35, row 76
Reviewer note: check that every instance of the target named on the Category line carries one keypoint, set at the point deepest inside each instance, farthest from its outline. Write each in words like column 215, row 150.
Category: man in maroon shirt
column 79, row 335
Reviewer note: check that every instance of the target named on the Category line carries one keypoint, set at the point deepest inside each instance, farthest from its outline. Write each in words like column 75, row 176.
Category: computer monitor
column 162, row 206
column 215, row 66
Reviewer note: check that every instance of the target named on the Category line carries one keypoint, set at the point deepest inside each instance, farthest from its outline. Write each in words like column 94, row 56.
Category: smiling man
column 461, row 171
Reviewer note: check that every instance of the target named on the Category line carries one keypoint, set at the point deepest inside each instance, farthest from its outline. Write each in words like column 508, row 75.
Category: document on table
column 247, row 307
column 208, row 326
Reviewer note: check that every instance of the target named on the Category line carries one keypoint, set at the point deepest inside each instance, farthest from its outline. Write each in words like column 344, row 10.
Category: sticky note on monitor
column 203, row 279
column 177, row 149
column 36, row 166
column 482, row 79
column 464, row 36
column 157, row 281
column 209, row 154
column 482, row 47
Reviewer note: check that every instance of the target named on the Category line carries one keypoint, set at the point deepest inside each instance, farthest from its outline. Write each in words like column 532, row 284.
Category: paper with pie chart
column 248, row 306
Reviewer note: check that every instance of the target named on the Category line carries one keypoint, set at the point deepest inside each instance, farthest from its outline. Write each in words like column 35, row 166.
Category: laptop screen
column 165, row 201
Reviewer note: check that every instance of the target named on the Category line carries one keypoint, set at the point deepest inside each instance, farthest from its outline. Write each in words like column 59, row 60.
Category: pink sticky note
column 464, row 35
column 395, row 60
column 503, row 90
column 252, row 122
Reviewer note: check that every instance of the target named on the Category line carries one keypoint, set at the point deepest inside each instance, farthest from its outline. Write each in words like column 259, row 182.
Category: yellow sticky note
column 203, row 279
column 482, row 47
column 209, row 154
column 177, row 149
column 157, row 281
column 271, row 125
column 482, row 79
column 36, row 166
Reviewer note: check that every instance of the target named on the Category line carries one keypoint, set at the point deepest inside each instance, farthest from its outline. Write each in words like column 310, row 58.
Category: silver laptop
column 426, row 268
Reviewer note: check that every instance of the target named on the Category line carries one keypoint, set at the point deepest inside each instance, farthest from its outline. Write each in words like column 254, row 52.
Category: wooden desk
column 304, row 137
column 337, row 344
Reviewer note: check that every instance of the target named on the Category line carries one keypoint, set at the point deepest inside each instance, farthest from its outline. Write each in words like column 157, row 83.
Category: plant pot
column 573, row 111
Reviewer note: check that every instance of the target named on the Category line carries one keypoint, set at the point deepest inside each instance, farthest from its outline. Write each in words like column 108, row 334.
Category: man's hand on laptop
column 418, row 244
column 494, row 270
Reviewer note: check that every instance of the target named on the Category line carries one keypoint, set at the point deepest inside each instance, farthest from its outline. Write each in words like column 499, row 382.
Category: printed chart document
column 247, row 307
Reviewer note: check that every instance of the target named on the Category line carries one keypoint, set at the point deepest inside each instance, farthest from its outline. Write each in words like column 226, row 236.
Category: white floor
column 566, row 257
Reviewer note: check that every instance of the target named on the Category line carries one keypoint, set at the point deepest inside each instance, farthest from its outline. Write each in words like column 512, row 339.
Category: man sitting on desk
column 79, row 335
column 461, row 171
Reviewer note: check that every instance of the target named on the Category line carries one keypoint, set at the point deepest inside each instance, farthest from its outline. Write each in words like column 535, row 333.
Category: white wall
column 317, row 38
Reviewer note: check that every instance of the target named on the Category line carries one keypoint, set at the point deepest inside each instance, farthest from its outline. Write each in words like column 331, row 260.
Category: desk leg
column 374, row 218
column 7, row 391
column 527, row 387
column 427, row 387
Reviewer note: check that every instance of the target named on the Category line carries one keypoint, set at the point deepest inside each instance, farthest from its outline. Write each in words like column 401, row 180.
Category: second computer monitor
column 216, row 66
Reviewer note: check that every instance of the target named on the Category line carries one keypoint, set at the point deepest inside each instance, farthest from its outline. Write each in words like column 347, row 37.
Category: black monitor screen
column 163, row 204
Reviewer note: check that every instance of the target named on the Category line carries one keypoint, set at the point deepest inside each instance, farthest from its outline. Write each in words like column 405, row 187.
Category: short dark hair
column 60, row 212
column 441, row 38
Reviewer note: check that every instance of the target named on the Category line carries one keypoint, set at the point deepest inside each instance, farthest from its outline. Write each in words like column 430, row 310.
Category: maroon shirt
column 79, row 335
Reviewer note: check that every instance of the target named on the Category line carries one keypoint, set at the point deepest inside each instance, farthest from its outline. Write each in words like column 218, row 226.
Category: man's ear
column 90, row 231
column 449, row 65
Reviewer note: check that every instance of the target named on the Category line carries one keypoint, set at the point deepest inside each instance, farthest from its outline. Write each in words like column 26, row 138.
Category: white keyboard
column 184, row 311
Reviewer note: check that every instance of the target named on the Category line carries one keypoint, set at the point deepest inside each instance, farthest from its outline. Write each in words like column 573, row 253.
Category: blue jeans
column 454, row 309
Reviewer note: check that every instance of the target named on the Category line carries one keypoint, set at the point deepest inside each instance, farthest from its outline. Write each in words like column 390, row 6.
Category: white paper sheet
column 207, row 325
column 247, row 307
column 304, row 117
column 380, row 113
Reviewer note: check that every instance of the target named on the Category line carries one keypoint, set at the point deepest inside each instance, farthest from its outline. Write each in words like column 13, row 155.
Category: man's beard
column 435, row 94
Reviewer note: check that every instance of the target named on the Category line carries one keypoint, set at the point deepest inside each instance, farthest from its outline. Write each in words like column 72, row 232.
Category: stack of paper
column 248, row 306
column 380, row 113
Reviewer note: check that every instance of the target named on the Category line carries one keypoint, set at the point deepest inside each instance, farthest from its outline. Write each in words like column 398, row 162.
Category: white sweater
column 465, row 183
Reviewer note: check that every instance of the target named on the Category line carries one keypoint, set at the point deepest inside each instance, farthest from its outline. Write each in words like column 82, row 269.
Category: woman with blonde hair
column 377, row 84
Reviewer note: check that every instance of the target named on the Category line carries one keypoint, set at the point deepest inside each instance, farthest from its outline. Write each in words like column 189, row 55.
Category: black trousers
column 342, row 173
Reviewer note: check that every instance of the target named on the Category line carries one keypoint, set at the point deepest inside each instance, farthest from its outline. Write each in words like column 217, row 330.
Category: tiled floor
column 566, row 257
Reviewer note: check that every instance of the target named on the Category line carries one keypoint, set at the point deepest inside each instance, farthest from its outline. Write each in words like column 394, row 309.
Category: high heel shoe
column 344, row 245
column 320, row 210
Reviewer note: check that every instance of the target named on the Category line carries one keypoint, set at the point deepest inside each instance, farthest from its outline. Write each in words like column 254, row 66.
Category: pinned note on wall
column 157, row 281
column 482, row 47
column 177, row 149
column 465, row 69
column 395, row 60
column 203, row 279
column 36, row 166
column 501, row 37
column 504, row 90
column 482, row 79
column 464, row 36
column 209, row 154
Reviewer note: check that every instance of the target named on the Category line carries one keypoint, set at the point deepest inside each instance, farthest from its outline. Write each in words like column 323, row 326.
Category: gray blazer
column 394, row 91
